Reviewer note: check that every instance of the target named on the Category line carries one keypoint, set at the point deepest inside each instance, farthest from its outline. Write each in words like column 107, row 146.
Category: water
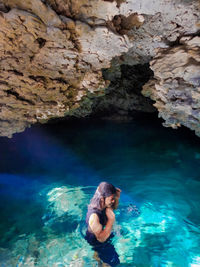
column 49, row 173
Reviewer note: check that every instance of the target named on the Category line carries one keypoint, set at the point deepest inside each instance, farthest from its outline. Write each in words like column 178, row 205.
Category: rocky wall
column 52, row 52
column 175, row 87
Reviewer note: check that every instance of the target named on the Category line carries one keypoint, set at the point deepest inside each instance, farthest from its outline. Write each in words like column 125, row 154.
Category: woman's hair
column 103, row 190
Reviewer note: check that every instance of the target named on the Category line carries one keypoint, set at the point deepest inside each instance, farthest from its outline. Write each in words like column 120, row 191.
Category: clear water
column 49, row 173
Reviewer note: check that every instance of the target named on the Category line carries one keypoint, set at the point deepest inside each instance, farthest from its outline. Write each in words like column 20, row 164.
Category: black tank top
column 100, row 213
column 90, row 237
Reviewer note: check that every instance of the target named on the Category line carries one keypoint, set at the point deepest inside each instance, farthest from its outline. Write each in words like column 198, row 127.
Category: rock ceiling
column 58, row 58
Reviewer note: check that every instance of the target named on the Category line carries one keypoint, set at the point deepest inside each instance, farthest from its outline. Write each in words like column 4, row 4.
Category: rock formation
column 54, row 53
column 176, row 84
column 122, row 98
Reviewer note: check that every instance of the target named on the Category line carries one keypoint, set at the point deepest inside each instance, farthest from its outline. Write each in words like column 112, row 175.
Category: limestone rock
column 53, row 52
column 40, row 71
column 123, row 97
column 175, row 87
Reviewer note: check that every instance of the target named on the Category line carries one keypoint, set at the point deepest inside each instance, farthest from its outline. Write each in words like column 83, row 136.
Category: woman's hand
column 118, row 192
column 110, row 215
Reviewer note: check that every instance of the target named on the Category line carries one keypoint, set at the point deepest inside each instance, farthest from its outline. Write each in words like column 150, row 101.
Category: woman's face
column 109, row 201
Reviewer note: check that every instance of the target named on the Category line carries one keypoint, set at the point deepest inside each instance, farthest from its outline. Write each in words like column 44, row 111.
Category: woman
column 100, row 219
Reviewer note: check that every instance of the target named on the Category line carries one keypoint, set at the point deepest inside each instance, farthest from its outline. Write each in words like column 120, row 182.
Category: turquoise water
column 49, row 173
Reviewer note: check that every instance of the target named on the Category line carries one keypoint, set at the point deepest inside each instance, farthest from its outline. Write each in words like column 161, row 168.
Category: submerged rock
column 53, row 53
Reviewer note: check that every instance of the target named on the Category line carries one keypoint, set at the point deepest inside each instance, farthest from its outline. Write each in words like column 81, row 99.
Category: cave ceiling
column 62, row 58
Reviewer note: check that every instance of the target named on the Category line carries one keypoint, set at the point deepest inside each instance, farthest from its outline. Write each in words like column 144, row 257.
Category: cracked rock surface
column 176, row 84
column 123, row 97
column 53, row 52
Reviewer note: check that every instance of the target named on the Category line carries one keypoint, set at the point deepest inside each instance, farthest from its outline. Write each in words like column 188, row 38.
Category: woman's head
column 104, row 196
column 106, row 189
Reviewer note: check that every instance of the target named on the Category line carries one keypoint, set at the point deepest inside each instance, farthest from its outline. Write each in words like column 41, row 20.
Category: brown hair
column 103, row 190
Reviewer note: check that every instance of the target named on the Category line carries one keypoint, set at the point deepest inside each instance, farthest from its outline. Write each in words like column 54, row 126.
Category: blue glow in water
column 48, row 175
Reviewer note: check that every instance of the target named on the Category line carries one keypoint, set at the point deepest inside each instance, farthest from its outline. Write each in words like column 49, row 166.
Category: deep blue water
column 49, row 173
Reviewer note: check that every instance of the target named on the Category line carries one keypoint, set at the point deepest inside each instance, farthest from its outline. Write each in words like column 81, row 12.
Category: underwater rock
column 60, row 201
column 53, row 53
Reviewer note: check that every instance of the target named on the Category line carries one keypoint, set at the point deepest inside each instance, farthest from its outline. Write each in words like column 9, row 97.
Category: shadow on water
column 143, row 143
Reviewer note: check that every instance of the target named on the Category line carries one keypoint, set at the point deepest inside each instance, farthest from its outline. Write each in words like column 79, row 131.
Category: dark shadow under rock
column 123, row 97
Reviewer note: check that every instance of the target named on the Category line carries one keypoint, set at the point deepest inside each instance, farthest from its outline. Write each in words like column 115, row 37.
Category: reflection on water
column 155, row 234
column 48, row 176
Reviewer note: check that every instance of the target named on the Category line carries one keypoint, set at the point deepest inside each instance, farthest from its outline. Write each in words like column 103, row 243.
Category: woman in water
column 100, row 219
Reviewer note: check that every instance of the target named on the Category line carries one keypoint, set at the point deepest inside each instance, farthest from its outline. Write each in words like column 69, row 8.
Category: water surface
column 49, row 173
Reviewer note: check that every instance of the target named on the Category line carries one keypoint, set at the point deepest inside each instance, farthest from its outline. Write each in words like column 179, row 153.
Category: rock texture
column 176, row 84
column 53, row 52
column 123, row 97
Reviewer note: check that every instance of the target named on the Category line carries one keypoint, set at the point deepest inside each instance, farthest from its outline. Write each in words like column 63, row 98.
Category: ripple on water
column 43, row 210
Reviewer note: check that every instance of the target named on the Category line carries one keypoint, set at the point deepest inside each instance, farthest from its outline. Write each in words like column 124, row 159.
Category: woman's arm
column 102, row 234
